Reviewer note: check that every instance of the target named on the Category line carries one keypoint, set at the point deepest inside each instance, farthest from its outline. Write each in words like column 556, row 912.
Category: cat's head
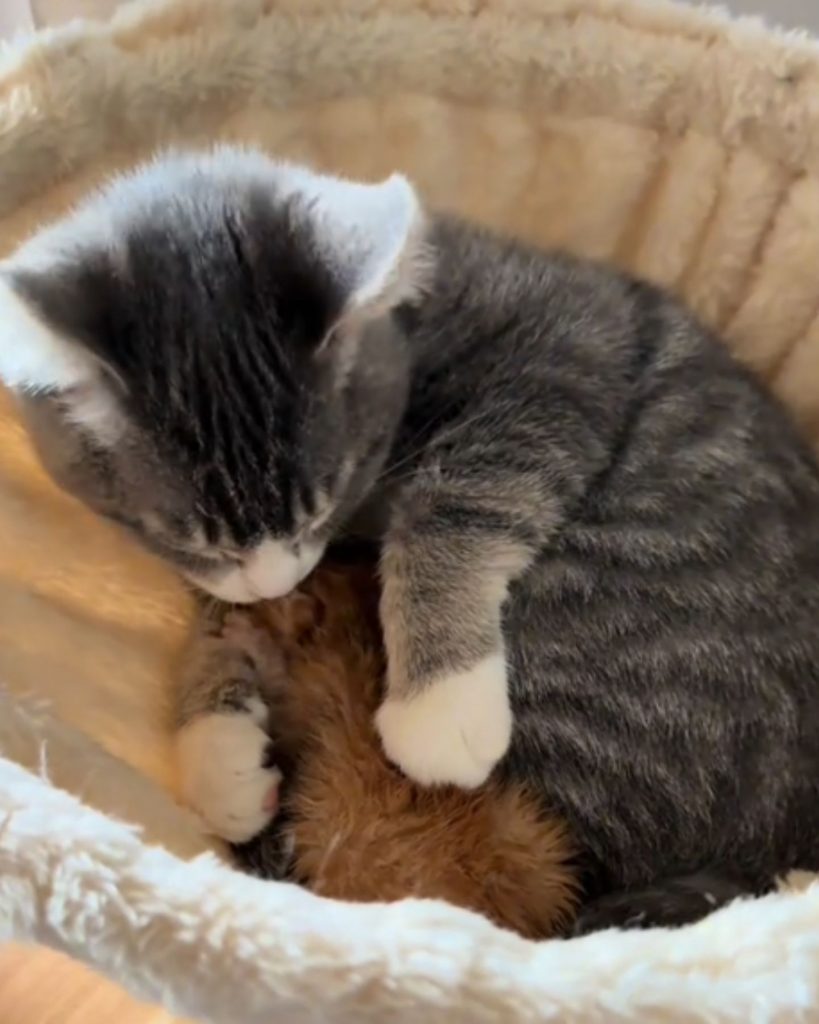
column 204, row 352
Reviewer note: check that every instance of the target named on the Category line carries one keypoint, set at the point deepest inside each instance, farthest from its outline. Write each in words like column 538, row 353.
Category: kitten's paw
column 224, row 772
column 454, row 731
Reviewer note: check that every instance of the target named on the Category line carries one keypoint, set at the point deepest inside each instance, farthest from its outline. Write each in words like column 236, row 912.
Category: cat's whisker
column 447, row 435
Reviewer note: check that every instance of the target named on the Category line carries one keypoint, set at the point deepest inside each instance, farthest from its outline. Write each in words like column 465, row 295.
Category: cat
column 598, row 534
column 349, row 824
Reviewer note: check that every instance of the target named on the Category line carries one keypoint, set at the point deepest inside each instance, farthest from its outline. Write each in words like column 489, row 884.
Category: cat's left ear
column 51, row 313
column 375, row 235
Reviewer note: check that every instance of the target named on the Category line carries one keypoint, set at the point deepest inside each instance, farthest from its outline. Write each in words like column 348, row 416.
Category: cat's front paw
column 454, row 731
column 224, row 771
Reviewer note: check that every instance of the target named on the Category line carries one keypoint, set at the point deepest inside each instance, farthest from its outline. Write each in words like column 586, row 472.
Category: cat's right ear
column 374, row 239
column 372, row 236
column 379, row 234
column 43, row 350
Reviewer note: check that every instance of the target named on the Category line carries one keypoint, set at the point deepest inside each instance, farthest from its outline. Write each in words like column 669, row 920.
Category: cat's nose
column 272, row 570
column 276, row 567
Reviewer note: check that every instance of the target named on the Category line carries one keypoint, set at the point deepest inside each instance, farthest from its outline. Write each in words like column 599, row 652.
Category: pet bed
column 671, row 140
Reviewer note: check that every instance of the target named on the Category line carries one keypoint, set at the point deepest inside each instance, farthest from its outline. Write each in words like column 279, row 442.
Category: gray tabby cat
column 599, row 536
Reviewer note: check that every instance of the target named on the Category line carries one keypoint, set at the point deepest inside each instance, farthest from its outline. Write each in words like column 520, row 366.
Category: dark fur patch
column 666, row 904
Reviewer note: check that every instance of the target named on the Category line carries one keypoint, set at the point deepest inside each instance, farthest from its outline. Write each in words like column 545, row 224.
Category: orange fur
column 363, row 831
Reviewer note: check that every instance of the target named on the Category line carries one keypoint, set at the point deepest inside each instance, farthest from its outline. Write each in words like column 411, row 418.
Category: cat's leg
column 667, row 903
column 487, row 497
column 446, row 717
column 225, row 758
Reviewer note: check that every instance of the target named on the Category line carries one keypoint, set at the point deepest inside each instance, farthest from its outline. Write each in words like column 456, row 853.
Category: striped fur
column 585, row 509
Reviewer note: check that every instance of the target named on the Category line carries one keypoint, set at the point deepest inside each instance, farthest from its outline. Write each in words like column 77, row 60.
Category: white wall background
column 16, row 14
column 790, row 13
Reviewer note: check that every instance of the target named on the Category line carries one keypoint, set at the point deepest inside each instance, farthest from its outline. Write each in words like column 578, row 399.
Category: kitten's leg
column 490, row 493
column 224, row 754
column 270, row 854
column 446, row 717
column 668, row 903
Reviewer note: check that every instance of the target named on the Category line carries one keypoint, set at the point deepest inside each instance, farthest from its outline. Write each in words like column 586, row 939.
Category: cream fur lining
column 671, row 140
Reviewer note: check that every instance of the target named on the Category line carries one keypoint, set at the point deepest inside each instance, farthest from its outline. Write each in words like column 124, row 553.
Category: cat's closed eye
column 189, row 553
column 213, row 556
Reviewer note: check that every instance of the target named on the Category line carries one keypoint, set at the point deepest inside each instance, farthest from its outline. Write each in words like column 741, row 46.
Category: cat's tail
column 666, row 903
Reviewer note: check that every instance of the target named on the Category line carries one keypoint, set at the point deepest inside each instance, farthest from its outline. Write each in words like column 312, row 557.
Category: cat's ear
column 375, row 237
column 34, row 356
column 45, row 327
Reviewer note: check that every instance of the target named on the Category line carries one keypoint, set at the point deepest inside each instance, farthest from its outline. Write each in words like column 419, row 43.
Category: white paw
column 455, row 731
column 221, row 764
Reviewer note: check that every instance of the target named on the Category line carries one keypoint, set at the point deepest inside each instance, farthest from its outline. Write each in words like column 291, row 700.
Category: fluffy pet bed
column 673, row 141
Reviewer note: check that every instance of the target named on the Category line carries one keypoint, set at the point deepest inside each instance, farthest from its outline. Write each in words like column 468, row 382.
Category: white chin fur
column 271, row 570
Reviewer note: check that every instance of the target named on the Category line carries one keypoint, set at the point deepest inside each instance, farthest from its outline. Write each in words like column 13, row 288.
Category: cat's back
column 681, row 414
column 506, row 314
column 664, row 648
column 667, row 654
column 672, row 407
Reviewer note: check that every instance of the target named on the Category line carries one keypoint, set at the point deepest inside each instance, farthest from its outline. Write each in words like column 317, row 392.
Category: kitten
column 599, row 536
column 350, row 825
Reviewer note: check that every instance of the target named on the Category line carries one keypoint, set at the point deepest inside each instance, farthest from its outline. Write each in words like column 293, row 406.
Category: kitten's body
column 351, row 826
column 585, row 508
column 663, row 645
